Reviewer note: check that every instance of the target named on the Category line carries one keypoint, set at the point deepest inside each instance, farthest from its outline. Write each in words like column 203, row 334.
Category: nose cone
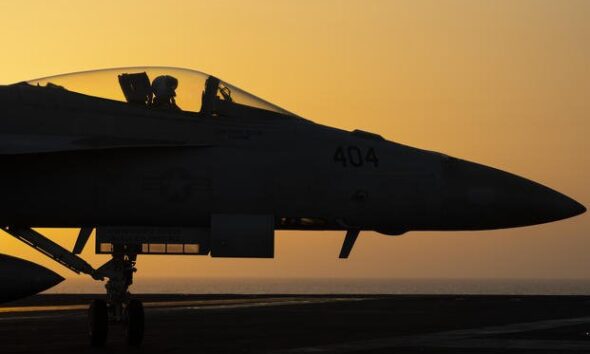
column 20, row 278
column 480, row 197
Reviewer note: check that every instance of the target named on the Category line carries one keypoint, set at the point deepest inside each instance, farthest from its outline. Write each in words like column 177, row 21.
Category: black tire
column 135, row 323
column 98, row 323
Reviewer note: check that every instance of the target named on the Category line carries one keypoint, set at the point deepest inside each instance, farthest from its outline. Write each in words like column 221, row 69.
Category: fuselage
column 71, row 160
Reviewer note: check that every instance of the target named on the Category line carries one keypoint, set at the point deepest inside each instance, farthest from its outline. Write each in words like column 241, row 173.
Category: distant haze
column 504, row 83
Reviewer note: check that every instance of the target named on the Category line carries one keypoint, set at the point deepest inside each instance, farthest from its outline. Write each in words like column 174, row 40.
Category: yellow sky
column 505, row 83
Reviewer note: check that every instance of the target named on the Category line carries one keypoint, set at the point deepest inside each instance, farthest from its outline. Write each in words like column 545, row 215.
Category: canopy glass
column 160, row 88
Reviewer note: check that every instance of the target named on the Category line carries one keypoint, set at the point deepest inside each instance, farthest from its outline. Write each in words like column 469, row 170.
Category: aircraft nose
column 481, row 197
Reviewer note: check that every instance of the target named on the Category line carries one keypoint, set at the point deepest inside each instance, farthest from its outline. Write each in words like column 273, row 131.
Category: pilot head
column 164, row 86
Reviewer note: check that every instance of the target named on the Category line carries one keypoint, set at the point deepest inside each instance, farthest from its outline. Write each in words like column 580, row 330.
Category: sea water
column 336, row 286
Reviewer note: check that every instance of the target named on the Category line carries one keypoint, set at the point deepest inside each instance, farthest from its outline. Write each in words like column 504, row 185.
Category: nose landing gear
column 119, row 307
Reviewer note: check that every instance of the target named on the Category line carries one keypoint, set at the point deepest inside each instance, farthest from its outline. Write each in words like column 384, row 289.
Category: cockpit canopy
column 162, row 88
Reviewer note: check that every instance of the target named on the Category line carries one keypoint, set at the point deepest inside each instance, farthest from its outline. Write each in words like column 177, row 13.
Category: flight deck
column 311, row 324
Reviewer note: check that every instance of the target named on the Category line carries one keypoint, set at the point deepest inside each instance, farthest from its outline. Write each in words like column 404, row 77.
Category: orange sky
column 503, row 83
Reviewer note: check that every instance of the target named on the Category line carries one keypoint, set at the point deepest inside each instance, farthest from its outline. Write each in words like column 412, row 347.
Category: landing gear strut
column 119, row 307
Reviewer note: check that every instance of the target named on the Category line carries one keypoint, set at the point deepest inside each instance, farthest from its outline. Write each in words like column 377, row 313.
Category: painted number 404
column 355, row 156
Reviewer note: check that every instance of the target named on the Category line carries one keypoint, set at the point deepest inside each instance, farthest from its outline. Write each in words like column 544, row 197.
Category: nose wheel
column 98, row 323
column 119, row 308
column 135, row 322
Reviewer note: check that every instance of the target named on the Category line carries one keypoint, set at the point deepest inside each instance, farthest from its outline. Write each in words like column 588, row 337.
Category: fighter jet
column 173, row 161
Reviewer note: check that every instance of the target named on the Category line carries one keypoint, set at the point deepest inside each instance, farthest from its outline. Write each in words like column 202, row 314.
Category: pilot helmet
column 164, row 86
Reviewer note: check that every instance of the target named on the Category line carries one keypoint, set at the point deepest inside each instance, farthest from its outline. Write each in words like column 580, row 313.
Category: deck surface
column 311, row 324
